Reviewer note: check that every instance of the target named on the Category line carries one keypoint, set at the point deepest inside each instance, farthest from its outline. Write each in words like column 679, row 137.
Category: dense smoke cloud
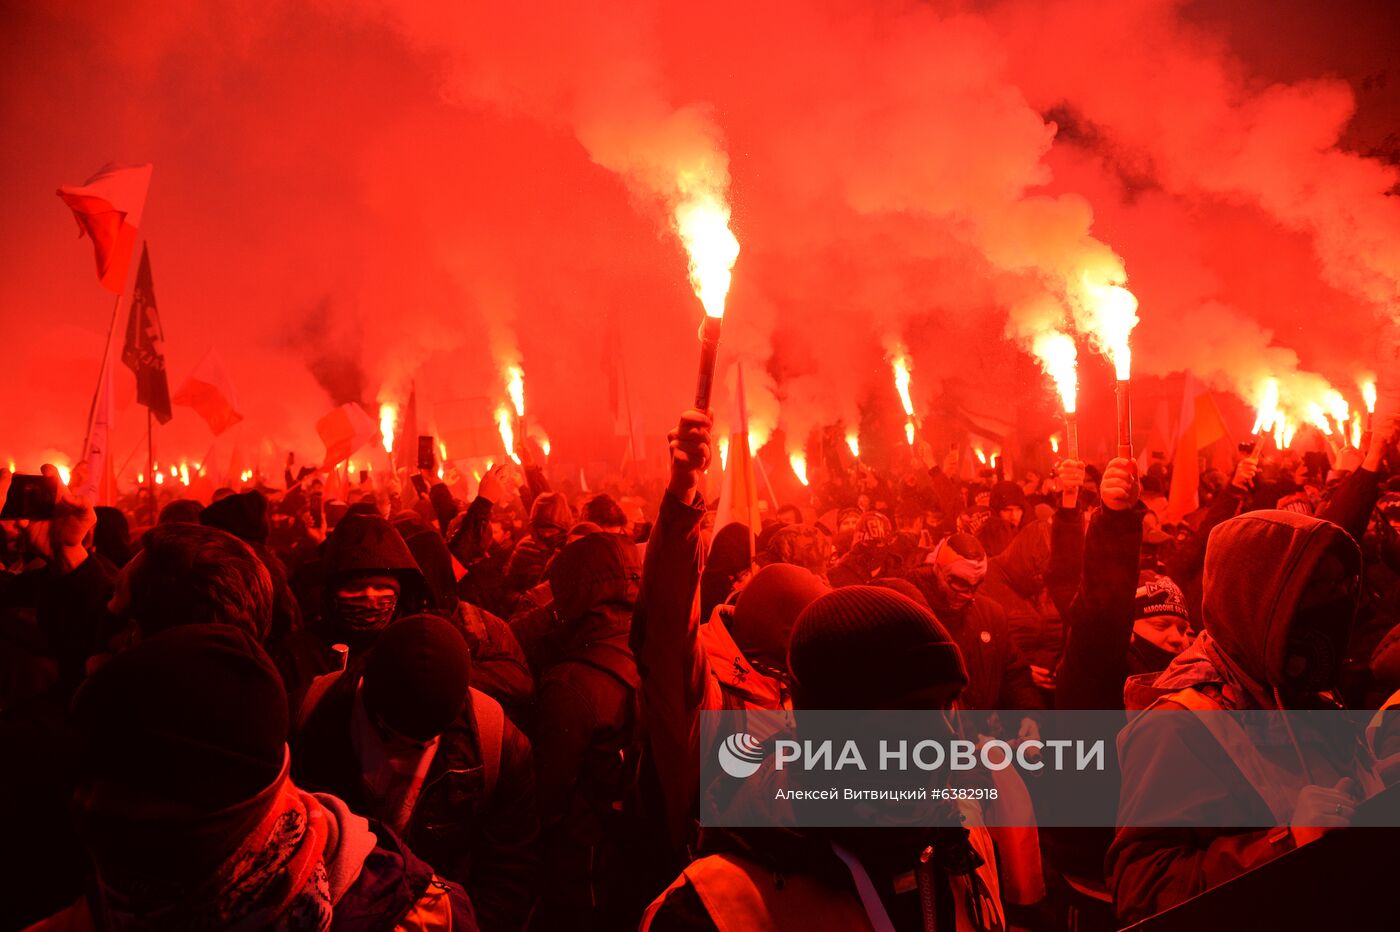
column 349, row 202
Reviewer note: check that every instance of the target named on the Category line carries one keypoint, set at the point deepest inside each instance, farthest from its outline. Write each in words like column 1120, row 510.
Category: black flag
column 144, row 352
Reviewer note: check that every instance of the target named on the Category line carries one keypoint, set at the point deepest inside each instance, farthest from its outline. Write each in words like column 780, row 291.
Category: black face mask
column 1318, row 638
column 364, row 615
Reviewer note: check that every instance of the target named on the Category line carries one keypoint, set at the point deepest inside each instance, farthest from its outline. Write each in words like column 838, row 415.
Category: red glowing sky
column 344, row 200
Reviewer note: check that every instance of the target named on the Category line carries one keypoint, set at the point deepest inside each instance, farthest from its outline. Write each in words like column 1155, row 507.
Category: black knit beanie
column 243, row 515
column 417, row 675
column 862, row 647
column 195, row 715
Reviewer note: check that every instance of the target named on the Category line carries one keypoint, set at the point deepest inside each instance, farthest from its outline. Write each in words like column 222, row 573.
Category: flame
column 505, row 422
column 388, row 418
column 1337, row 408
column 1059, row 357
column 198, row 468
column 758, row 438
column 544, row 444
column 1290, row 430
column 900, row 363
column 349, row 468
column 1368, row 395
column 160, row 478
column 1111, row 316
column 909, row 432
column 64, row 475
column 174, row 472
column 440, row 473
column 981, row 455
column 853, row 442
column 1314, row 415
column 12, row 465
column 515, row 386
column 140, row 478
column 1268, row 415
column 442, row 451
column 1054, row 443
column 798, row 462
column 723, row 452
column 702, row 220
column 247, row 476
column 1356, row 431
column 184, row 474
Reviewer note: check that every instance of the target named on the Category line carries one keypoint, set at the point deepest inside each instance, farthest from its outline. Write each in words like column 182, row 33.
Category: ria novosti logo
column 740, row 755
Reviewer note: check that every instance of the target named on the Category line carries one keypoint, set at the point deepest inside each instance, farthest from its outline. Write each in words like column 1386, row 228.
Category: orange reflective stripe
column 742, row 897
column 432, row 912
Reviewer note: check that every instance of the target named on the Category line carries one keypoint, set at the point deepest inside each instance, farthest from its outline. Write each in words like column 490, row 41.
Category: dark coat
column 484, row 838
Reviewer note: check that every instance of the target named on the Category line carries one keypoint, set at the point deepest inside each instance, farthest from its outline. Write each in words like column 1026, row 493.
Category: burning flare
column 909, row 432
column 981, row 455
column 1055, row 443
column 723, row 452
column 515, row 386
column 1060, row 359
column 388, row 419
column 1368, row 395
column 1268, row 416
column 798, row 461
column 702, row 220
column 1110, row 316
column 853, row 442
column 899, row 361
column 505, row 421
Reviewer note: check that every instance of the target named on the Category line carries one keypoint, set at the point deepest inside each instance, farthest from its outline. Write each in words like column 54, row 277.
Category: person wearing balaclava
column 550, row 520
column 854, row 648
column 191, row 819
column 401, row 735
column 1280, row 593
column 370, row 578
column 585, row 730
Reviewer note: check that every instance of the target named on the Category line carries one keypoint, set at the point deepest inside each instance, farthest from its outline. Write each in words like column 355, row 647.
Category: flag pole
column 102, row 374
column 150, row 459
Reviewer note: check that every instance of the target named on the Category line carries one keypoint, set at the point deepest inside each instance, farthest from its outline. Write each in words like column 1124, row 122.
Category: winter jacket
column 998, row 675
column 1256, row 568
column 585, row 728
column 469, row 539
column 686, row 667
column 1042, row 555
column 475, row 818
column 789, row 881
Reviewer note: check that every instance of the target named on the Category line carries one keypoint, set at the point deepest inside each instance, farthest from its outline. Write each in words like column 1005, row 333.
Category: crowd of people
column 402, row 710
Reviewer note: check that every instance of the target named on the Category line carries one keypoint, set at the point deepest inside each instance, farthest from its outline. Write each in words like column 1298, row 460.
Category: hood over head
column 1258, row 566
column 594, row 572
column 550, row 518
column 368, row 545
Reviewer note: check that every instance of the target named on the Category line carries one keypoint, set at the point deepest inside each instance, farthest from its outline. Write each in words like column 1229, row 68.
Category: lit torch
column 798, row 462
column 515, row 387
column 702, row 220
column 853, row 443
column 1368, row 395
column 899, row 363
column 1060, row 359
column 388, row 418
column 1114, row 313
column 506, row 422
column 1267, row 419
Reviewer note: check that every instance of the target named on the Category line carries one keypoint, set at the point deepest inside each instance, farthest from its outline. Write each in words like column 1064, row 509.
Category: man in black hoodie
column 585, row 729
column 370, row 579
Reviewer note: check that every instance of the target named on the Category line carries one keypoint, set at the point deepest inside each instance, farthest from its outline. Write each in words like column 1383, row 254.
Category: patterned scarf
column 275, row 880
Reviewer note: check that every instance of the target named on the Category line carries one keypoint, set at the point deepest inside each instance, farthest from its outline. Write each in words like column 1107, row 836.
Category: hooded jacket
column 1257, row 568
column 498, row 664
column 550, row 520
column 586, row 722
column 364, row 545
